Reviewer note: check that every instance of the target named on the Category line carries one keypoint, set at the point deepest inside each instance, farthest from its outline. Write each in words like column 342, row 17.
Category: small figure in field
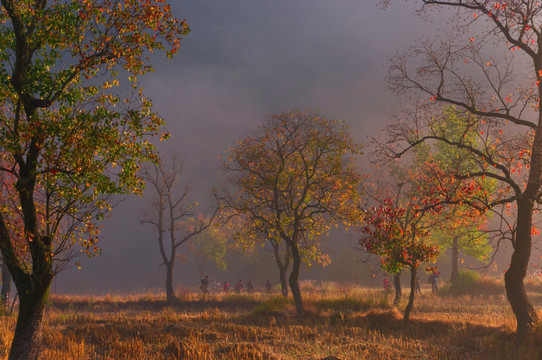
column 226, row 287
column 387, row 284
column 268, row 287
column 239, row 286
column 418, row 287
column 204, row 287
column 250, row 286
column 433, row 278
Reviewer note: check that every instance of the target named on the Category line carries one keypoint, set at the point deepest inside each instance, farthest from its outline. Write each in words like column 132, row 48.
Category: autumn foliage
column 292, row 181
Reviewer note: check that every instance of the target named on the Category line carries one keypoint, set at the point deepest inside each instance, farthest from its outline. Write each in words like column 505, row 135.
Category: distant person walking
column 418, row 286
column 239, row 286
column 434, row 284
column 268, row 287
column 226, row 287
column 250, row 286
column 387, row 285
column 204, row 287
column 433, row 278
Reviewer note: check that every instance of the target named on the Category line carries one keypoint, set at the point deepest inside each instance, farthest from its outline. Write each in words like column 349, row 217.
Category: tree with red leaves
column 398, row 228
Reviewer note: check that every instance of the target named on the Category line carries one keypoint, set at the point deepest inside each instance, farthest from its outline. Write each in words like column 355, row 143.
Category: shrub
column 470, row 282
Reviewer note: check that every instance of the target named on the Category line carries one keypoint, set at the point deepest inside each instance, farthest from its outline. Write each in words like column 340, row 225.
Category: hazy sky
column 242, row 60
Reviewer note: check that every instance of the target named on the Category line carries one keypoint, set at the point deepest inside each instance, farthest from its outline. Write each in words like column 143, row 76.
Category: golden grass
column 346, row 322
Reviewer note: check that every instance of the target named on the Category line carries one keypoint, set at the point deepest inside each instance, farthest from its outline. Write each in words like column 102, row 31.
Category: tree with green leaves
column 467, row 234
column 208, row 248
column 69, row 139
column 293, row 179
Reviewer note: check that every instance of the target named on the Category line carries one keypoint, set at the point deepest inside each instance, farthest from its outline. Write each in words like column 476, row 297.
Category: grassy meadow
column 342, row 322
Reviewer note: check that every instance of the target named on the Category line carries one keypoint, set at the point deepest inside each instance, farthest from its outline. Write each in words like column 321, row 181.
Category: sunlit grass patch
column 276, row 305
column 352, row 303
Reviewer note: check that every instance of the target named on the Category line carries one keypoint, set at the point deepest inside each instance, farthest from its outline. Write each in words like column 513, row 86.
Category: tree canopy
column 293, row 180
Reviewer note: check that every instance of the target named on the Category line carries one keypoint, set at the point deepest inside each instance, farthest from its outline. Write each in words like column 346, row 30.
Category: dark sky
column 242, row 60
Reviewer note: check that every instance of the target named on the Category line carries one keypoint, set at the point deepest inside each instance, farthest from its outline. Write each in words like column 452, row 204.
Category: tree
column 501, row 93
column 68, row 139
column 283, row 259
column 170, row 209
column 466, row 233
column 398, row 229
column 292, row 180
column 207, row 248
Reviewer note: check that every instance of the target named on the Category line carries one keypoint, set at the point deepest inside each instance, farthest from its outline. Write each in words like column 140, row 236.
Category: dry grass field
column 342, row 322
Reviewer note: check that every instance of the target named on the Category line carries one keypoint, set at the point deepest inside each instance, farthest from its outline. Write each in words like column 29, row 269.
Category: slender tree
column 171, row 214
column 398, row 229
column 292, row 180
column 283, row 259
column 68, row 138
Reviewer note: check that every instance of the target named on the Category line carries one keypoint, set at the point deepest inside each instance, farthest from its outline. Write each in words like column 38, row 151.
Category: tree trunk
column 294, row 281
column 6, row 286
column 398, row 289
column 283, row 281
column 513, row 279
column 410, row 305
column 170, row 293
column 283, row 266
column 455, row 258
column 26, row 342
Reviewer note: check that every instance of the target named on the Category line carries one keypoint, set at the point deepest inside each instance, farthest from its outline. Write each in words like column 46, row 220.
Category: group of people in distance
column 204, row 287
column 432, row 279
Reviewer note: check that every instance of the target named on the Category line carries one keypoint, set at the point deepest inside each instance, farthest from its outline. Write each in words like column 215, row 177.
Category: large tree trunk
column 294, row 281
column 170, row 293
column 33, row 295
column 455, row 258
column 6, row 286
column 410, row 305
column 398, row 289
column 513, row 279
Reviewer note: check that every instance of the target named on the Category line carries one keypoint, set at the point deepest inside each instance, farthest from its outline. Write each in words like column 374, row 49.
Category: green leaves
column 70, row 139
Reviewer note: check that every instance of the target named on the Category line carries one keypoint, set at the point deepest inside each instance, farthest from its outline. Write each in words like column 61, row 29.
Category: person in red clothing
column 239, row 286
column 226, row 286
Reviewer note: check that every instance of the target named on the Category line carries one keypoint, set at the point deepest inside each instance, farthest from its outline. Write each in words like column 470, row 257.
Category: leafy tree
column 398, row 228
column 491, row 71
column 207, row 248
column 292, row 180
column 68, row 139
column 465, row 233
column 171, row 213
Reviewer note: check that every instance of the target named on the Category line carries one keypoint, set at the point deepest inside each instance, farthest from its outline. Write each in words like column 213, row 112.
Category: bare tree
column 169, row 209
